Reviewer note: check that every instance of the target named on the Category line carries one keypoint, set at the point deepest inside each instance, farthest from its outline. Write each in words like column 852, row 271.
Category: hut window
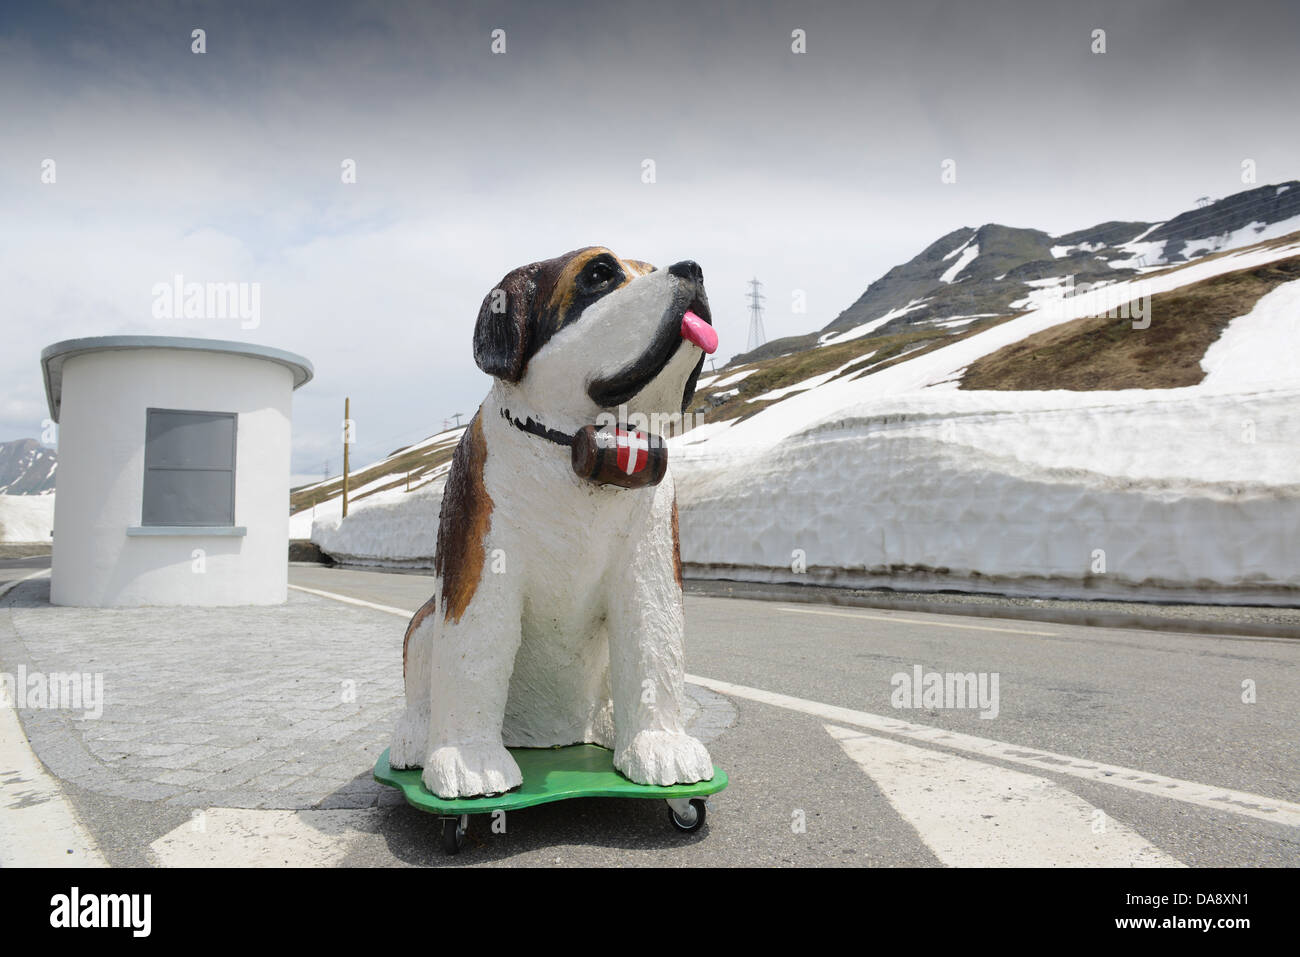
column 189, row 468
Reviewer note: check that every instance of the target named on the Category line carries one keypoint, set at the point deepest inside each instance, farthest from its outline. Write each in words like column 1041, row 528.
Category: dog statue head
column 587, row 332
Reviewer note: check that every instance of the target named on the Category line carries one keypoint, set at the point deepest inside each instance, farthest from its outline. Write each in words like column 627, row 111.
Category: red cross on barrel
column 628, row 458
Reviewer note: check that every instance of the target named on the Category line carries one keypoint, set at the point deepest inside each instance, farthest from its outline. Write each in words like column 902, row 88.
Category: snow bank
column 26, row 518
column 388, row 528
column 1060, row 493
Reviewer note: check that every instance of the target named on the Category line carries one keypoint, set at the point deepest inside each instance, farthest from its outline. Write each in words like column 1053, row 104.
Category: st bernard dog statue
column 556, row 616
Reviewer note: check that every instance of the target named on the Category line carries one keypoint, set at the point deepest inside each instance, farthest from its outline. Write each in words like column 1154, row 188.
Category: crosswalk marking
column 973, row 814
column 244, row 837
column 1157, row 785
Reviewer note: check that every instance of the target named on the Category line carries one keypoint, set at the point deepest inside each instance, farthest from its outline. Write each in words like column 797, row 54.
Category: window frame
column 232, row 470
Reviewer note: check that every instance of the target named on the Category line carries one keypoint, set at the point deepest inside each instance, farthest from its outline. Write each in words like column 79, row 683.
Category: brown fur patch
column 463, row 523
column 424, row 611
column 635, row 267
column 677, row 547
column 561, row 274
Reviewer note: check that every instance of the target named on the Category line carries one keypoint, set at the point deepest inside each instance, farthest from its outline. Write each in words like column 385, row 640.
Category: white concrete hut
column 173, row 479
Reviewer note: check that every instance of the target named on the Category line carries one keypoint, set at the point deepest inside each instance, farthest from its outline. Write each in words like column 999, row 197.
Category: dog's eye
column 599, row 275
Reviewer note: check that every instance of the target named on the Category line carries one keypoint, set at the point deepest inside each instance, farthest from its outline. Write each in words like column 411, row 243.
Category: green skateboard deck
column 552, row 774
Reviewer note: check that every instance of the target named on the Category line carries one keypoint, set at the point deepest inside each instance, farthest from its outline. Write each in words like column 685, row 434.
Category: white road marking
column 917, row 621
column 1156, row 785
column 6, row 586
column 973, row 814
column 389, row 609
column 38, row 827
column 241, row 837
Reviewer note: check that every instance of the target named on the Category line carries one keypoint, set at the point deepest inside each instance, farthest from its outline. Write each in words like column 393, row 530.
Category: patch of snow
column 967, row 257
column 732, row 379
column 1143, row 235
column 1140, row 254
column 1281, row 190
column 1256, row 232
column 857, row 332
column 961, row 247
column 1259, row 347
column 26, row 518
column 809, row 383
column 1060, row 252
column 951, row 321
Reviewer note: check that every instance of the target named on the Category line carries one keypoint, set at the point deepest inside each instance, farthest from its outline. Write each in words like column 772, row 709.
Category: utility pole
column 458, row 415
column 347, row 440
column 756, row 335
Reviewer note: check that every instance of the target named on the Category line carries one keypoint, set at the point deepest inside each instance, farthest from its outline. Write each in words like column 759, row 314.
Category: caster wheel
column 687, row 816
column 453, row 833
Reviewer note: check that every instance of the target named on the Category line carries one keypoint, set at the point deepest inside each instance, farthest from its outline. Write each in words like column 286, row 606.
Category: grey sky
column 815, row 172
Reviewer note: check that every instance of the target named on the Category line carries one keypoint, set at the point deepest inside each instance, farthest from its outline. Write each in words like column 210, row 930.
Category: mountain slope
column 989, row 271
column 26, row 468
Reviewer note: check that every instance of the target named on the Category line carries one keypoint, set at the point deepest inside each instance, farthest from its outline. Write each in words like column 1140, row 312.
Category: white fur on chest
column 568, row 546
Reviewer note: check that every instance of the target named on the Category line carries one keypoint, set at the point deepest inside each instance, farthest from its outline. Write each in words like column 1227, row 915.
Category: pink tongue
column 698, row 331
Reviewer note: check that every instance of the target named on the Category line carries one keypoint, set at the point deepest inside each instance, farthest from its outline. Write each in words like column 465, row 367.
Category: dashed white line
column 388, row 609
column 916, row 621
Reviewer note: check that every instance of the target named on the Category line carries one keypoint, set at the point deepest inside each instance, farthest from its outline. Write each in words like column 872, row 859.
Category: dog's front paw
column 470, row 770
column 663, row 757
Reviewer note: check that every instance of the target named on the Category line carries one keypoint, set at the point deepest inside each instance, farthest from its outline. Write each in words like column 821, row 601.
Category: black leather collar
column 536, row 428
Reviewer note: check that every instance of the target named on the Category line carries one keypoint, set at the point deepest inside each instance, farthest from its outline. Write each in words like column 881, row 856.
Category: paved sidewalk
column 283, row 707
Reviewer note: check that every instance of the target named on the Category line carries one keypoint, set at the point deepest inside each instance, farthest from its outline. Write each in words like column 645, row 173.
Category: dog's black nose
column 687, row 269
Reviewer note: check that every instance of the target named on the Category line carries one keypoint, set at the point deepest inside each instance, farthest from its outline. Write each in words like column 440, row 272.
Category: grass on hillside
column 1103, row 353
column 422, row 464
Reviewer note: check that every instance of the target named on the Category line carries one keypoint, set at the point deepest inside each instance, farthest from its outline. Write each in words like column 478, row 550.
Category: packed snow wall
column 1174, row 495
column 393, row 528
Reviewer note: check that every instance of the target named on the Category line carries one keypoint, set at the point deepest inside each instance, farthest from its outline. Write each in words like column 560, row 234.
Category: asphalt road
column 1109, row 746
column 1165, row 705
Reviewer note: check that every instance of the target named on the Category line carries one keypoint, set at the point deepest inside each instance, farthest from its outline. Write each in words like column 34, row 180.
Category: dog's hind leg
column 470, row 662
column 411, row 739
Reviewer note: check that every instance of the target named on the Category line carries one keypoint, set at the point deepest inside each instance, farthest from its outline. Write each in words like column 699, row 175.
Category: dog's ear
column 503, row 333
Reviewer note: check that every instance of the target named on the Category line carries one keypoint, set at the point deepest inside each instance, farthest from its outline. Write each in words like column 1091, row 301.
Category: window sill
column 146, row 531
